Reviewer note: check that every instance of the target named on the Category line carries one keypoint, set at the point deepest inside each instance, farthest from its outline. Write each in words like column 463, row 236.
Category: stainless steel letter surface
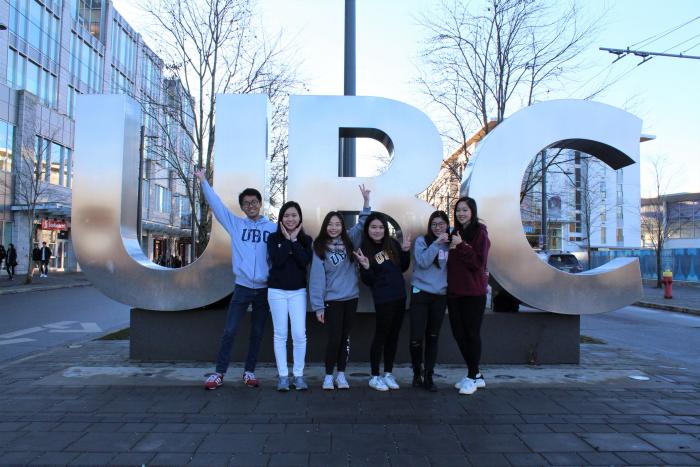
column 105, row 201
column 315, row 123
column 608, row 133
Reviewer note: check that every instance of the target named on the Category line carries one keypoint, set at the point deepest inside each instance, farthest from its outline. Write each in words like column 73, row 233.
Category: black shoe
column 417, row 380
column 428, row 383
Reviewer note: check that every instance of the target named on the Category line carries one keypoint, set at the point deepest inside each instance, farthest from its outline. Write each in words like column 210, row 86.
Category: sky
column 663, row 92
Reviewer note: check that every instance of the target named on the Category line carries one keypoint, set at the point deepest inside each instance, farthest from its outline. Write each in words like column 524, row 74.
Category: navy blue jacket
column 384, row 277
column 288, row 261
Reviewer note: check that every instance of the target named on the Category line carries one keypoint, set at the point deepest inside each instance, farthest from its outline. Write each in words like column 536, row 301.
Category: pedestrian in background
column 289, row 253
column 383, row 261
column 3, row 255
column 428, row 297
column 467, row 278
column 36, row 259
column 333, row 287
column 45, row 256
column 11, row 260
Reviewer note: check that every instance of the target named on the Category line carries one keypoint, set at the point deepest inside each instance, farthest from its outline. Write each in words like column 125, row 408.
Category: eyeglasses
column 437, row 225
column 250, row 204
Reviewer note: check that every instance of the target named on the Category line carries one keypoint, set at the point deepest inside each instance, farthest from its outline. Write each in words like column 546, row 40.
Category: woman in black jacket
column 289, row 254
column 383, row 262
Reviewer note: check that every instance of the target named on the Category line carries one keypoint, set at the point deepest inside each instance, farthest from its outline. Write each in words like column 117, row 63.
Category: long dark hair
column 469, row 231
column 388, row 244
column 283, row 209
column 322, row 240
column 430, row 236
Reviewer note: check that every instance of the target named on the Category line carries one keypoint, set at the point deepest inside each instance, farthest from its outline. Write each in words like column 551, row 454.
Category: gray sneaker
column 283, row 384
column 300, row 384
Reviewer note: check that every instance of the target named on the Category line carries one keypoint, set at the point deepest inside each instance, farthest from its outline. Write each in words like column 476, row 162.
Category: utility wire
column 681, row 43
column 663, row 34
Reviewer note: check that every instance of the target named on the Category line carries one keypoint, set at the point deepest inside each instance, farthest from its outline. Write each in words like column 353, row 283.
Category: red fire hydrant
column 667, row 281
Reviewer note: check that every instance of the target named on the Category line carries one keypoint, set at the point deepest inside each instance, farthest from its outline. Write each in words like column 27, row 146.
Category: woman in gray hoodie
column 333, row 287
column 428, row 297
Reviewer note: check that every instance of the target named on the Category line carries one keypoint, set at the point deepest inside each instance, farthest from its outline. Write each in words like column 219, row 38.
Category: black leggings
column 466, row 314
column 339, row 317
column 427, row 312
column 389, row 317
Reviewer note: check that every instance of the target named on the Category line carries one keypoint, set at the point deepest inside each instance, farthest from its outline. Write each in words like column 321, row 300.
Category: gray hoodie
column 426, row 275
column 248, row 241
column 335, row 278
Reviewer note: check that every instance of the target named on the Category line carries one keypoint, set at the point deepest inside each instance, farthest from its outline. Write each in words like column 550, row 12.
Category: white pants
column 286, row 306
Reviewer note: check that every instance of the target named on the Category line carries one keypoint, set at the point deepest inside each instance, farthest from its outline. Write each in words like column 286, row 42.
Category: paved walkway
column 56, row 280
column 91, row 405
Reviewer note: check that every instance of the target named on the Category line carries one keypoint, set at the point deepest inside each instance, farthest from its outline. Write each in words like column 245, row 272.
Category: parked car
column 563, row 261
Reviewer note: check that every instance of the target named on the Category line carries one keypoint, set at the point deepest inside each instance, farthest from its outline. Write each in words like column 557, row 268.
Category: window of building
column 7, row 138
column 603, row 234
column 37, row 25
column 58, row 160
column 620, row 237
column 88, row 14
column 123, row 49
column 23, row 73
column 162, row 199
column 86, row 63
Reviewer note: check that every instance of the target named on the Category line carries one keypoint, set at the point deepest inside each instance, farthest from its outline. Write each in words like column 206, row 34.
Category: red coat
column 467, row 274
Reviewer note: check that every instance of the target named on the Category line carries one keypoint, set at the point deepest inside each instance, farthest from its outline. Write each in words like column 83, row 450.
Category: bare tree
column 214, row 47
column 31, row 189
column 479, row 65
column 655, row 226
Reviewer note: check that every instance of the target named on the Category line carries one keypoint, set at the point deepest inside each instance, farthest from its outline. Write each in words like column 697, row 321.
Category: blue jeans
column 242, row 297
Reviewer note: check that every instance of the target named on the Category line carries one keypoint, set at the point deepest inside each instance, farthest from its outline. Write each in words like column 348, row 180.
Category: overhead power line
column 662, row 34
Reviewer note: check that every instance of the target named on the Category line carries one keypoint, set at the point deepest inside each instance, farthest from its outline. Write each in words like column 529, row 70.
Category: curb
column 42, row 288
column 675, row 308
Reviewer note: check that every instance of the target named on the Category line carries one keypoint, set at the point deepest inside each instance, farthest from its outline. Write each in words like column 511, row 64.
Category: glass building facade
column 53, row 51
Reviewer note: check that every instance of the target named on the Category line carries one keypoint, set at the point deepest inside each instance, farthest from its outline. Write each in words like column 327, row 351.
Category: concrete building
column 52, row 51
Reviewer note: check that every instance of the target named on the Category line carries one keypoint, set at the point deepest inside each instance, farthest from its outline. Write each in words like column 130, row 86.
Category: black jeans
column 389, row 317
column 427, row 312
column 339, row 317
column 466, row 314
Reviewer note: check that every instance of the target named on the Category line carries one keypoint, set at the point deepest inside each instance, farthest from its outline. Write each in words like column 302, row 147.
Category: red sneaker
column 214, row 381
column 250, row 380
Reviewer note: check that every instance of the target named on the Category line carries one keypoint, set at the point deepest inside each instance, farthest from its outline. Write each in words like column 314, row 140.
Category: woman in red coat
column 467, row 278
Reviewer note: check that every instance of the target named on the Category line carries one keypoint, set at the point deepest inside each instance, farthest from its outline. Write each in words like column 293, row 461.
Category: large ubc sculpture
column 106, row 170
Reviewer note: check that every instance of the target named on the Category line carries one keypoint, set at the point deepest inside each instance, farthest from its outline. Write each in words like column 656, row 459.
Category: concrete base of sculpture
column 526, row 337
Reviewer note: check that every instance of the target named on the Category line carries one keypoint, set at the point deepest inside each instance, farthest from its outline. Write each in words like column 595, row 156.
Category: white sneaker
column 341, row 382
column 479, row 381
column 328, row 383
column 390, row 381
column 468, row 387
column 377, row 383
column 458, row 384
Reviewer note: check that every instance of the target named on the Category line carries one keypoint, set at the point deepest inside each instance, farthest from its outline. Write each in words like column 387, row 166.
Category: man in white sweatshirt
column 249, row 260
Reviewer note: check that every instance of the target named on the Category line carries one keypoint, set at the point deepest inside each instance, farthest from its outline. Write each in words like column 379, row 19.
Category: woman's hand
column 456, row 240
column 406, row 245
column 294, row 233
column 365, row 195
column 321, row 317
column 443, row 238
column 361, row 258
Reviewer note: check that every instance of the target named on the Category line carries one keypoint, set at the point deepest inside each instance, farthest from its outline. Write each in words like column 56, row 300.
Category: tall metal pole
column 544, row 200
column 346, row 161
column 140, row 184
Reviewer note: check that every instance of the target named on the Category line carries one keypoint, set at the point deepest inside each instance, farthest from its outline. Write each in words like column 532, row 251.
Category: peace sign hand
column 361, row 258
column 406, row 245
column 365, row 194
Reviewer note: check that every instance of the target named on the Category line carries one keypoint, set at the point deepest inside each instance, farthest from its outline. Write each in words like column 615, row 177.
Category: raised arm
column 221, row 212
column 355, row 232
